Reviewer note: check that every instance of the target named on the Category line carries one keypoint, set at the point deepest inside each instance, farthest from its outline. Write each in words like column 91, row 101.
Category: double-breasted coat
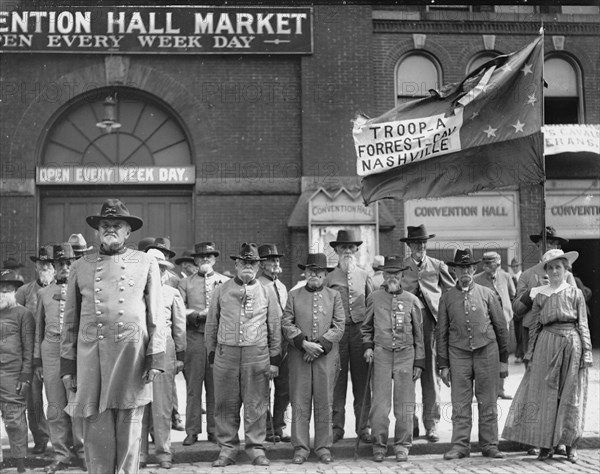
column 113, row 330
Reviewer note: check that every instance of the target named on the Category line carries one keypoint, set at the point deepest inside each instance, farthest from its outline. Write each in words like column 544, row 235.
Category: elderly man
column 393, row 340
column 16, row 355
column 243, row 340
column 27, row 296
column 157, row 415
column 112, row 341
column 500, row 282
column 79, row 245
column 472, row 343
column 426, row 278
column 64, row 431
column 163, row 244
column 313, row 323
column 187, row 264
column 197, row 292
column 354, row 285
column 270, row 269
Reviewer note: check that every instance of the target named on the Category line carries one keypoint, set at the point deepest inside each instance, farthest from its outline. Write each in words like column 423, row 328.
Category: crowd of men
column 105, row 332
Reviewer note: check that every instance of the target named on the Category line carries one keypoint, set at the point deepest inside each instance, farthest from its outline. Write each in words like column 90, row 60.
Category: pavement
column 424, row 456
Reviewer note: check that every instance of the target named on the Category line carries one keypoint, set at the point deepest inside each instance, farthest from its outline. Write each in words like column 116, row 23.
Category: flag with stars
column 482, row 133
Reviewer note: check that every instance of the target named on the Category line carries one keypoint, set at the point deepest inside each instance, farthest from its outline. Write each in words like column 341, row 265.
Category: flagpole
column 544, row 243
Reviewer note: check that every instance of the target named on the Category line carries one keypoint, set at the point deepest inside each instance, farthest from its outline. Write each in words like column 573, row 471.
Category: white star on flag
column 527, row 69
column 491, row 132
column 518, row 126
column 531, row 100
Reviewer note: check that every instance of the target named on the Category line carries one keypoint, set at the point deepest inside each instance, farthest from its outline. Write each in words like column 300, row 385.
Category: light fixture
column 109, row 123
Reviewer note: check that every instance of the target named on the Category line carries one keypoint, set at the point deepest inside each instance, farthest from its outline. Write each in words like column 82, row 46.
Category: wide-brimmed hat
column 115, row 209
column 248, row 252
column 416, row 233
column 160, row 257
column 205, row 248
column 164, row 245
column 11, row 263
column 346, row 237
column 463, row 258
column 490, row 257
column 79, row 244
column 550, row 235
column 515, row 263
column 186, row 256
column 268, row 250
column 315, row 261
column 555, row 254
column 377, row 264
column 145, row 243
column 42, row 256
column 62, row 251
column 8, row 275
column 393, row 264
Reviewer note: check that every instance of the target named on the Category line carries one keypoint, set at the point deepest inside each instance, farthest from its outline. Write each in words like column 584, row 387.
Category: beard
column 246, row 275
column 313, row 283
column 393, row 286
column 46, row 276
column 347, row 263
column 205, row 268
column 7, row 300
column 465, row 281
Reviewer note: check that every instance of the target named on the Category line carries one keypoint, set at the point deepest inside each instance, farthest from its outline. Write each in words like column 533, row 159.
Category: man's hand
column 150, row 375
column 503, row 370
column 70, row 383
column 312, row 348
column 23, row 389
column 417, row 373
column 38, row 373
column 308, row 358
column 368, row 355
column 273, row 372
column 178, row 366
column 586, row 360
column 445, row 375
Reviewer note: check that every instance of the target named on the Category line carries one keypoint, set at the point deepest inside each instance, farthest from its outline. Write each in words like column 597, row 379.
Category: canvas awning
column 572, row 151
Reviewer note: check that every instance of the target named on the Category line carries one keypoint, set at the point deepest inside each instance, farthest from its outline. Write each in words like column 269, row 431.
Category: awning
column 572, row 151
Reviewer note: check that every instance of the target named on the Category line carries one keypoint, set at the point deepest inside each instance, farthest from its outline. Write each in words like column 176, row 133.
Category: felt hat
column 315, row 261
column 491, row 257
column 268, row 250
column 145, row 243
column 205, row 248
column 42, row 256
column 416, row 233
column 164, row 245
column 463, row 258
column 346, row 237
column 11, row 263
column 393, row 264
column 115, row 209
column 62, row 251
column 248, row 252
column 186, row 256
column 550, row 235
column 79, row 244
column 8, row 275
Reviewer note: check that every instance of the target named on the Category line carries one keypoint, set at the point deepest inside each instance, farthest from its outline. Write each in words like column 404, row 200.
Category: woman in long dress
column 549, row 406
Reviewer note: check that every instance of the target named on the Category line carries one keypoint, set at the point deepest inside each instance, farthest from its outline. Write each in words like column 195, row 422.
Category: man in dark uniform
column 270, row 269
column 472, row 343
column 16, row 356
column 112, row 341
column 243, row 340
column 426, row 278
column 197, row 292
column 354, row 285
column 64, row 432
column 27, row 296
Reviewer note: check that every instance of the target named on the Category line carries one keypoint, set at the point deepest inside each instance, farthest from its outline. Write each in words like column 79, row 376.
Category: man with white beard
column 27, row 296
column 354, row 285
column 197, row 291
column 16, row 356
column 270, row 269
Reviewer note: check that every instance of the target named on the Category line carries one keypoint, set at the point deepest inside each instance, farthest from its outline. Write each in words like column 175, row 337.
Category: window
column 149, row 134
column 561, row 98
column 416, row 74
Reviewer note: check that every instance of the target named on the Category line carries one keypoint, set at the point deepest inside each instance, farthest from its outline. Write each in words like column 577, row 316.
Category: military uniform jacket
column 354, row 287
column 504, row 287
column 173, row 310
column 268, row 282
column 427, row 282
column 27, row 295
column 394, row 322
column 244, row 315
column 315, row 316
column 529, row 279
column 470, row 320
column 197, row 292
column 49, row 317
column 17, row 329
column 113, row 330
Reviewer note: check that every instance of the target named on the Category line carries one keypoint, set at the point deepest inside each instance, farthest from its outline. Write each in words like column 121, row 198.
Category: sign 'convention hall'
column 169, row 30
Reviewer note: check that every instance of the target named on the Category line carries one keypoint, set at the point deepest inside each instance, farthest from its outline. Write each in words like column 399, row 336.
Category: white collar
column 547, row 290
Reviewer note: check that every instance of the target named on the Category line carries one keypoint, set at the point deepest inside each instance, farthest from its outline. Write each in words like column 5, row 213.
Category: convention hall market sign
column 156, row 30
column 51, row 175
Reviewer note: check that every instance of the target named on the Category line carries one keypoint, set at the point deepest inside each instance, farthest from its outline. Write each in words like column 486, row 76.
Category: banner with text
column 156, row 30
column 115, row 175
